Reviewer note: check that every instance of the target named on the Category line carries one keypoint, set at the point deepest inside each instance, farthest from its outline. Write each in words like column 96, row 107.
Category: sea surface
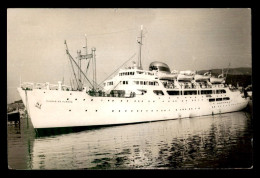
column 219, row 141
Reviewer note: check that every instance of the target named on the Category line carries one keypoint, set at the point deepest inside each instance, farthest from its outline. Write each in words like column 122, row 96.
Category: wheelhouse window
column 226, row 98
column 173, row 92
column 125, row 82
column 158, row 92
column 218, row 99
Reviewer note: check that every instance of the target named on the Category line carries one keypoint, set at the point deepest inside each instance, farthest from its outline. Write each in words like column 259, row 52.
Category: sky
column 185, row 39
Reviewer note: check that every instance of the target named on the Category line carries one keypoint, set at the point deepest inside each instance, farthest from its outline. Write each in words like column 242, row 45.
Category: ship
column 131, row 95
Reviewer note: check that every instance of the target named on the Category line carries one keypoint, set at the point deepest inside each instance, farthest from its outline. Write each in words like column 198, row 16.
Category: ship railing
column 40, row 86
column 31, row 86
column 27, row 86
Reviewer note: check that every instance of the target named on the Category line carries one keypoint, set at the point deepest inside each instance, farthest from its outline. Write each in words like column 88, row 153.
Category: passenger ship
column 133, row 95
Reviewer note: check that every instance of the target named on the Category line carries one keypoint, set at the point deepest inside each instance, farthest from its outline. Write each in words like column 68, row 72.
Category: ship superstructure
column 132, row 95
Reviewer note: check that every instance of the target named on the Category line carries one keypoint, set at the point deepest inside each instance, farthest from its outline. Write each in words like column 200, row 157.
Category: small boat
column 186, row 75
column 215, row 80
column 163, row 76
column 201, row 78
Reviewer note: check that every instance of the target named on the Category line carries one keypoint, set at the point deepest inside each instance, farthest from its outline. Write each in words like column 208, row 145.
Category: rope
column 117, row 69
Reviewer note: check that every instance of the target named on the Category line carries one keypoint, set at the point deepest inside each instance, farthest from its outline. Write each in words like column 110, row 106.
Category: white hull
column 53, row 108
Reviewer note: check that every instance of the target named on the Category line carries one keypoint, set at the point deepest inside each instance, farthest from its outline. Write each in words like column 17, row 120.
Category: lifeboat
column 164, row 76
column 186, row 75
column 217, row 80
column 201, row 78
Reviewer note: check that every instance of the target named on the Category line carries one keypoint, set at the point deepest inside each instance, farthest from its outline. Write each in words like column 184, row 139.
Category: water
column 220, row 141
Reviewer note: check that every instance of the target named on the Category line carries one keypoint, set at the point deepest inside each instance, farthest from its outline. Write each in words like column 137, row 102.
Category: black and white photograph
column 129, row 88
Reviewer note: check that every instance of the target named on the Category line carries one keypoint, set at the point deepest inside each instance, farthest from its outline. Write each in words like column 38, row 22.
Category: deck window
column 191, row 92
column 158, row 92
column 220, row 91
column 205, row 92
column 211, row 99
column 226, row 98
column 173, row 92
column 218, row 99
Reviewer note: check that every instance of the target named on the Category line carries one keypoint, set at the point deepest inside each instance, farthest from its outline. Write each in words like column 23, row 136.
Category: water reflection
column 201, row 142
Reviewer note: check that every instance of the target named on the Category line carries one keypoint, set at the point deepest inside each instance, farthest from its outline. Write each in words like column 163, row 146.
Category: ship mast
column 139, row 65
column 78, row 65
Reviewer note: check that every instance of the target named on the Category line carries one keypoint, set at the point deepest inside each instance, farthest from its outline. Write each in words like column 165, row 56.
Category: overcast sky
column 185, row 39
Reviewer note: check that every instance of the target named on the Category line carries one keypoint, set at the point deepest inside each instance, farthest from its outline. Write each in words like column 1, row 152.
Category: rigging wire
column 130, row 29
column 117, row 69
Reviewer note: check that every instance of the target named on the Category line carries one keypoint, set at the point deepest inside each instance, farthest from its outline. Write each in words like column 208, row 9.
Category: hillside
column 236, row 76
column 231, row 71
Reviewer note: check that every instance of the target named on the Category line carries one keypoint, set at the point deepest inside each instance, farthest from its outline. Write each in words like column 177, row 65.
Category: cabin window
column 220, row 91
column 205, row 92
column 226, row 98
column 141, row 82
column 158, row 92
column 211, row 99
column 173, row 92
column 109, row 83
column 125, row 82
column 136, row 82
column 218, row 99
column 191, row 92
